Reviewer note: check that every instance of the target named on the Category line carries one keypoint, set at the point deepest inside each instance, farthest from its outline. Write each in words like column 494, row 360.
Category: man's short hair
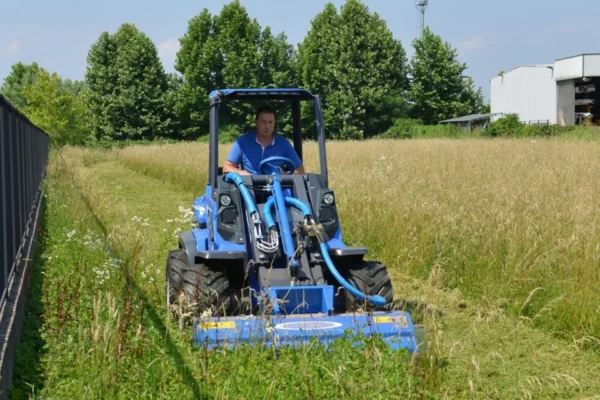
column 264, row 109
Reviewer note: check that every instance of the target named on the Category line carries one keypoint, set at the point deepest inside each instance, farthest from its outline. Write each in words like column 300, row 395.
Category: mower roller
column 265, row 262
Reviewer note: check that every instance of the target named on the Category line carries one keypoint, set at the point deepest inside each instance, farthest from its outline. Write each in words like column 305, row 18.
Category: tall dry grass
column 511, row 221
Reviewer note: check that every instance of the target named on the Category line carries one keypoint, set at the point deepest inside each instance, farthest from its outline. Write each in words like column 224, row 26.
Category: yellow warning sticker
column 217, row 325
column 398, row 320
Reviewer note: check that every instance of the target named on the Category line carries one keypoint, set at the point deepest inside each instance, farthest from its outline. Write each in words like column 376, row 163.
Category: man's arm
column 233, row 161
column 290, row 153
column 231, row 167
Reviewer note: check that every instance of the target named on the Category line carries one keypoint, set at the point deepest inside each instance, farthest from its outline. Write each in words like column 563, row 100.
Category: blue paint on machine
column 265, row 262
column 395, row 328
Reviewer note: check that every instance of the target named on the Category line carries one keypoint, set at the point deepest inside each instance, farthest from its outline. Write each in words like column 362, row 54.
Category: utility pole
column 421, row 7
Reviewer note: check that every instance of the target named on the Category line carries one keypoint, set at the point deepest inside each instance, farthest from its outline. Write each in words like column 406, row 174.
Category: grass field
column 496, row 241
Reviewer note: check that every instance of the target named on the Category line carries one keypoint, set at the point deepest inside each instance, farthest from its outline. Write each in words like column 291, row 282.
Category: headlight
column 225, row 200
column 328, row 198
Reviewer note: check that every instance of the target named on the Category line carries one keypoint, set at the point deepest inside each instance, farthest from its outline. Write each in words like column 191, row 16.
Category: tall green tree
column 228, row 50
column 277, row 59
column 140, row 111
column 21, row 76
column 128, row 87
column 197, row 64
column 439, row 89
column 101, row 81
column 236, row 57
column 55, row 109
column 353, row 61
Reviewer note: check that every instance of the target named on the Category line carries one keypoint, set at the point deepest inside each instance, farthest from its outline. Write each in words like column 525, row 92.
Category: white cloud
column 474, row 43
column 12, row 48
column 168, row 48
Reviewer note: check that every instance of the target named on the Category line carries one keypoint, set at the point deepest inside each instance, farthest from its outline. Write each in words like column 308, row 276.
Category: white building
column 561, row 93
column 528, row 90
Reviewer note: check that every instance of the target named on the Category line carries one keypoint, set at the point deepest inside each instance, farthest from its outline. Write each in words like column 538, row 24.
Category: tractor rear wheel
column 196, row 288
column 371, row 278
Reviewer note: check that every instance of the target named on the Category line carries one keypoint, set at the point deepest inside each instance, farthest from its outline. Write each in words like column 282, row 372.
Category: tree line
column 349, row 57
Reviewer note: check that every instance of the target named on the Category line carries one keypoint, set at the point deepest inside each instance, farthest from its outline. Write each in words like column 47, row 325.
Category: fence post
column 10, row 216
column 18, row 192
column 3, row 222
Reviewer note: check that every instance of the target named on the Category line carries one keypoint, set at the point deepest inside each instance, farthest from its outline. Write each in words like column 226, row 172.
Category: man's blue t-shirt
column 248, row 153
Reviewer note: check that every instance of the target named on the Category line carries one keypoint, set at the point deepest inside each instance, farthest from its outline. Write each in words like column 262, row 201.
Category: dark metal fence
column 23, row 157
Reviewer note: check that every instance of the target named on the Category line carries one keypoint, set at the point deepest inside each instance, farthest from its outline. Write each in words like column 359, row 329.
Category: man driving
column 259, row 144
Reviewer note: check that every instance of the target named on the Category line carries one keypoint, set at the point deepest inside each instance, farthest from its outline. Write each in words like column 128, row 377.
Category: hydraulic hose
column 292, row 201
column 239, row 182
column 376, row 300
column 269, row 221
column 269, row 245
column 284, row 225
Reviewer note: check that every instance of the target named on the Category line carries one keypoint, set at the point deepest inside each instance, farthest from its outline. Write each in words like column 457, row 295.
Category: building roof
column 522, row 66
column 469, row 118
column 578, row 55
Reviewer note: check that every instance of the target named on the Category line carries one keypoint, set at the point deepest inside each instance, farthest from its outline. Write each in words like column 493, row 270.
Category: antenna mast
column 421, row 7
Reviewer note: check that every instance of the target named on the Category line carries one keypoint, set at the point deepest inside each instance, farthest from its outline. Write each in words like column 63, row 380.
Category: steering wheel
column 286, row 166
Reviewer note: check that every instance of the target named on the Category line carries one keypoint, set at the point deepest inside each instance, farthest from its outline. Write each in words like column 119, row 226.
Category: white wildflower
column 176, row 232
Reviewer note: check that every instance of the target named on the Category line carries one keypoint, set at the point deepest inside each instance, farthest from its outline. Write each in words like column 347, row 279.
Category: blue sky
column 490, row 35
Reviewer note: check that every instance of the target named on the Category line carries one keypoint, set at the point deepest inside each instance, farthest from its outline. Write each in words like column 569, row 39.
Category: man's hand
column 231, row 167
column 300, row 170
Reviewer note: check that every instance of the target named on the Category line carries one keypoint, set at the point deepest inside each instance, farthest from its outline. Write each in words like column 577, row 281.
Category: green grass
column 105, row 332
column 111, row 217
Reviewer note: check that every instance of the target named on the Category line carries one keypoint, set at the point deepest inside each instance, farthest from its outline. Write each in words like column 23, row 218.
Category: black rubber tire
column 203, row 287
column 371, row 278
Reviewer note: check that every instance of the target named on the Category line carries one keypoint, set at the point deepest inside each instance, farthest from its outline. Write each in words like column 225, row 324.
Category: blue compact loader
column 265, row 262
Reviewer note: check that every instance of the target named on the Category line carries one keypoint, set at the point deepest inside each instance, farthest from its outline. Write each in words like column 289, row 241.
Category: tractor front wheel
column 371, row 278
column 194, row 289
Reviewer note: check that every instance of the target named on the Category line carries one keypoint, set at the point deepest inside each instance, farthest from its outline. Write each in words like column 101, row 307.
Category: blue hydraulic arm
column 284, row 224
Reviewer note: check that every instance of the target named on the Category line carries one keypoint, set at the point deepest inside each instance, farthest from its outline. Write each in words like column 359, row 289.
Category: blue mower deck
column 395, row 327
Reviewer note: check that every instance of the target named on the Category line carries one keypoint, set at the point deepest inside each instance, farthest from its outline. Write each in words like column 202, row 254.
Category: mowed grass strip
column 105, row 332
column 512, row 221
